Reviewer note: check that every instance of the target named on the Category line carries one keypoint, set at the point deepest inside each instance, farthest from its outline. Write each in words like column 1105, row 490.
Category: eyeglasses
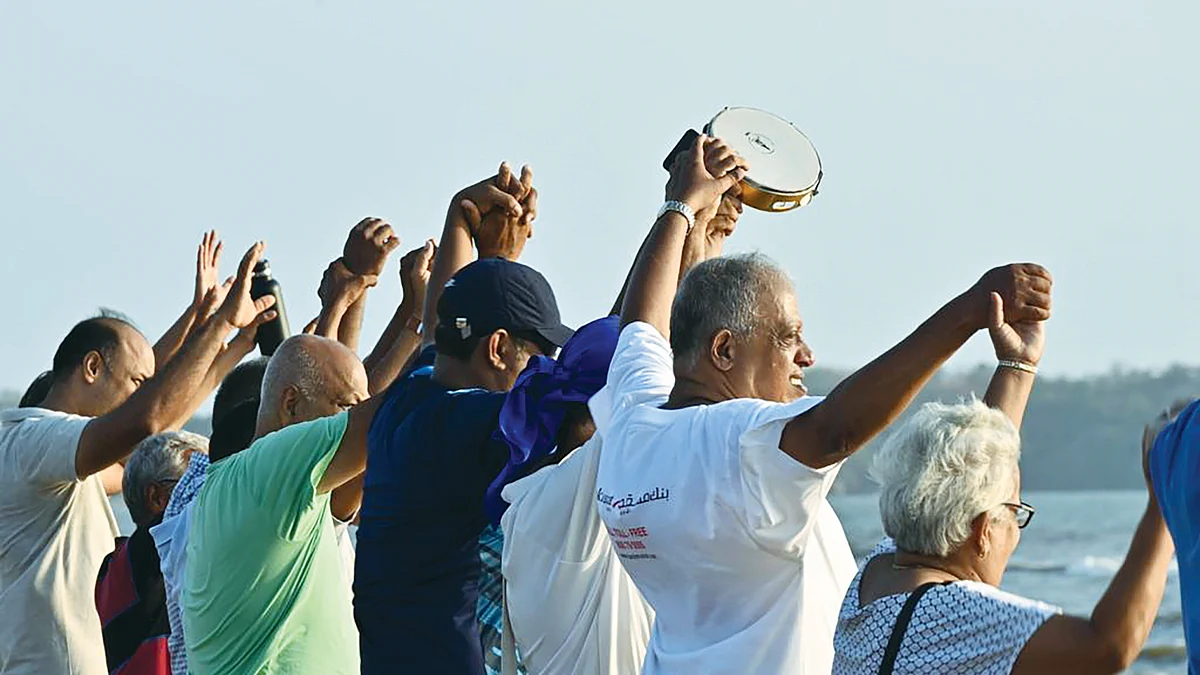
column 1024, row 513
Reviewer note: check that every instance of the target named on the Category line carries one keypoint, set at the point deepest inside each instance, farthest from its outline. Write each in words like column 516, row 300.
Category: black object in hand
column 684, row 144
column 272, row 333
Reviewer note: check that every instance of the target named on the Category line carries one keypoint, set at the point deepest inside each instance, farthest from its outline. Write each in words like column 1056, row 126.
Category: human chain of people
column 490, row 491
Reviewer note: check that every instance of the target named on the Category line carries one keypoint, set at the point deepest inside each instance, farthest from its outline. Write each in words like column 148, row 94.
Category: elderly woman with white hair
column 130, row 593
column 926, row 600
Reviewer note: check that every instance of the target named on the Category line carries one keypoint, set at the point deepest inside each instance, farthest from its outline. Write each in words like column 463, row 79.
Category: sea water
column 1067, row 556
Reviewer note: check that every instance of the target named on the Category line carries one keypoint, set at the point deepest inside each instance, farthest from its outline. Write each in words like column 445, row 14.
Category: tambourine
column 785, row 170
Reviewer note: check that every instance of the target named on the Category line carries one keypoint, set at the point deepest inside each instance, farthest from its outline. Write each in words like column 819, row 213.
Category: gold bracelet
column 1018, row 365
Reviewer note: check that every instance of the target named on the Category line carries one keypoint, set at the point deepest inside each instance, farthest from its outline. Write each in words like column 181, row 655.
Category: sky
column 955, row 137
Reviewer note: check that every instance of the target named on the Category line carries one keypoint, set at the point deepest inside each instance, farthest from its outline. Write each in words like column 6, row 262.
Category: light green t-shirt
column 263, row 591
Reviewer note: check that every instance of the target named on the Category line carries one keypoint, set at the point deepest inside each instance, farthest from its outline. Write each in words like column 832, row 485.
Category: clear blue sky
column 955, row 136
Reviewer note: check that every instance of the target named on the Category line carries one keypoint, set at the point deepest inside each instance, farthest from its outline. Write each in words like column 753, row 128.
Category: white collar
column 21, row 414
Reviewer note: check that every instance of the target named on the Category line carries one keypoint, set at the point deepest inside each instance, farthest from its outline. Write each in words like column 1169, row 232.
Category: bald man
column 58, row 460
column 264, row 590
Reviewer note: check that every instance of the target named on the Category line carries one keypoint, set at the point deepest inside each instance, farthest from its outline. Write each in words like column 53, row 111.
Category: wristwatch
column 680, row 208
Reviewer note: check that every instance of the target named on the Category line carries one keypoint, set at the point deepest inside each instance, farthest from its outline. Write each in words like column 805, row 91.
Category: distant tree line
column 1081, row 433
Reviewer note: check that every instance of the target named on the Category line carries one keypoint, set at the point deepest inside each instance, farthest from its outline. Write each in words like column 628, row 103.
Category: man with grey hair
column 263, row 587
column 716, row 464
column 130, row 592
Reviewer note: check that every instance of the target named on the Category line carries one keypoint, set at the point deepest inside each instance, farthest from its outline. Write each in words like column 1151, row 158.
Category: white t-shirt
column 965, row 627
column 54, row 532
column 731, row 540
column 573, row 609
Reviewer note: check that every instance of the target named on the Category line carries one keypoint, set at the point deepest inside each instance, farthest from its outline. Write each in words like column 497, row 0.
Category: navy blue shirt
column 431, row 455
column 1174, row 468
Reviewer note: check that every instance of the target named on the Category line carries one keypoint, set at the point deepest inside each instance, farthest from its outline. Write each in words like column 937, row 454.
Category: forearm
column 164, row 400
column 655, row 275
column 226, row 360
column 455, row 252
column 350, row 328
column 1009, row 392
column 170, row 342
column 1124, row 615
column 405, row 341
column 390, row 334
column 172, row 395
column 333, row 312
column 696, row 249
column 865, row 403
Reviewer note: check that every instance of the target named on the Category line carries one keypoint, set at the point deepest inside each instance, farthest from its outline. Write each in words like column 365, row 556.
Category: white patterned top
column 965, row 627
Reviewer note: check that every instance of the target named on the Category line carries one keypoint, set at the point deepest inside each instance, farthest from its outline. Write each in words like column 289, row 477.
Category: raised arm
column 1019, row 349
column 402, row 337
column 698, row 179
column 208, row 259
column 340, row 290
column 350, row 460
column 171, row 394
column 702, row 243
column 870, row 399
column 497, row 215
column 1111, row 639
column 365, row 254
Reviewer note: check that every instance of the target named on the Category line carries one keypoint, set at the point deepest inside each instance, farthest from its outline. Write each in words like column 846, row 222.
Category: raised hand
column 1024, row 291
column 700, row 176
column 368, row 246
column 1022, row 341
column 500, row 211
column 339, row 284
column 1151, row 431
column 239, row 310
column 724, row 222
column 208, row 260
column 415, row 268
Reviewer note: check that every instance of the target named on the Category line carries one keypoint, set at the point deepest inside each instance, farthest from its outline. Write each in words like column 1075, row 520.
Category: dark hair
column 234, row 432
column 242, row 384
column 97, row 334
column 36, row 393
column 448, row 342
column 235, row 409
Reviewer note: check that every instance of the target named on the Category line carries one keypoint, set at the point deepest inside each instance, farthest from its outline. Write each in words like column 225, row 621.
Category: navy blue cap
column 495, row 293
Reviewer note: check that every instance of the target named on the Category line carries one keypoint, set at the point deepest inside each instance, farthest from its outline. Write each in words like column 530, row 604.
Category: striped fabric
column 489, row 610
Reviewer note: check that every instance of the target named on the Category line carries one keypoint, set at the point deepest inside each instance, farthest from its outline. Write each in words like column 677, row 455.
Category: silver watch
column 680, row 208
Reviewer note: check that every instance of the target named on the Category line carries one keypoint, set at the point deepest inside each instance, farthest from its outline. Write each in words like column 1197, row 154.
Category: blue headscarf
column 534, row 409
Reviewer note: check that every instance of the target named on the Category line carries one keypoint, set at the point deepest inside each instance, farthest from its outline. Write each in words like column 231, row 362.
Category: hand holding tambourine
column 785, row 168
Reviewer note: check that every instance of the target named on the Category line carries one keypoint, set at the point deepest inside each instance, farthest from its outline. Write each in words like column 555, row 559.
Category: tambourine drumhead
column 784, row 167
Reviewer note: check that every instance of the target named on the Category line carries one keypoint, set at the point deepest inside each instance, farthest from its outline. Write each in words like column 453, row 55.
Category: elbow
column 150, row 426
column 1116, row 656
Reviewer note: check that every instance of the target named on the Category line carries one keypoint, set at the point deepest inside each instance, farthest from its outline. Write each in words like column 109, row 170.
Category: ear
column 289, row 404
column 498, row 346
column 722, row 350
column 158, row 496
column 981, row 534
column 93, row 363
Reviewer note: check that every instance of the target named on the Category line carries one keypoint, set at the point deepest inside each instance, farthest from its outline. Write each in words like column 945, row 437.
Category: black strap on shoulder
column 905, row 616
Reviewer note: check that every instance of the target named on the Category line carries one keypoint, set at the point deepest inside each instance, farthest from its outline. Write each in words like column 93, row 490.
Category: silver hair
column 947, row 465
column 159, row 458
column 292, row 365
column 725, row 293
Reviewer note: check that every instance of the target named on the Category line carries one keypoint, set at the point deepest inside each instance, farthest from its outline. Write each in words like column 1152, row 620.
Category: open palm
column 239, row 309
column 208, row 262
